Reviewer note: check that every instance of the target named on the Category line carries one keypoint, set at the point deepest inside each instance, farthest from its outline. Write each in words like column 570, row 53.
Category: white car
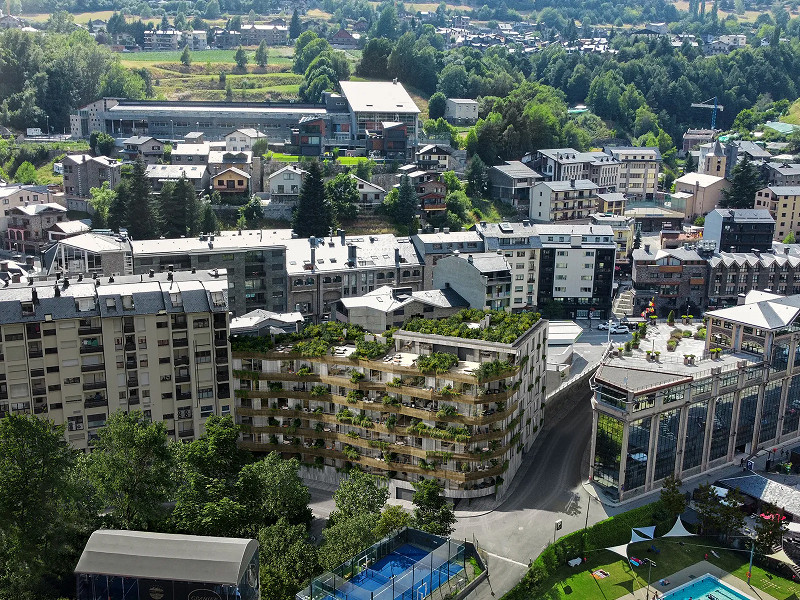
column 603, row 326
column 619, row 329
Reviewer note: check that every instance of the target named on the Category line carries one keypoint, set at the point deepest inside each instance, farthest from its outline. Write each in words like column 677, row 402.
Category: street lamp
column 48, row 124
column 650, row 565
column 608, row 340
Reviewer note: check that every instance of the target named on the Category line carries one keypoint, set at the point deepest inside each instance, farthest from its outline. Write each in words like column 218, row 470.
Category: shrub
column 395, row 383
column 316, row 347
column 503, row 327
column 319, row 390
column 627, row 346
column 354, row 396
column 700, row 334
column 493, row 369
column 447, row 410
column 356, row 376
column 437, row 362
column 371, row 350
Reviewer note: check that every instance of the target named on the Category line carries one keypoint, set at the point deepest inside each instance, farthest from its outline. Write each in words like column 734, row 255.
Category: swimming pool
column 706, row 587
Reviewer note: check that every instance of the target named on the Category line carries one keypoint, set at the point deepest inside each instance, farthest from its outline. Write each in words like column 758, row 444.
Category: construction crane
column 715, row 107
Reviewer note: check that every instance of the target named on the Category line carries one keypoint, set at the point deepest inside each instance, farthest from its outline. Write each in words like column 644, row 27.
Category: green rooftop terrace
column 504, row 328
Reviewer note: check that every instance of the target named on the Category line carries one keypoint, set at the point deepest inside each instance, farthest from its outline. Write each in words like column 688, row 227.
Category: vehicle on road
column 603, row 326
column 619, row 329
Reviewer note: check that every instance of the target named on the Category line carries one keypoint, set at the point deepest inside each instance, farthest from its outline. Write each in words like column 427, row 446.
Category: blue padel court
column 408, row 566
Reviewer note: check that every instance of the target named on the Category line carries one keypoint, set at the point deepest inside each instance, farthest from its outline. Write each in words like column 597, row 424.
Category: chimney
column 34, row 295
column 647, row 248
column 446, row 230
column 57, row 291
column 341, row 233
column 572, row 183
column 80, row 277
column 786, row 250
column 216, row 273
column 152, row 273
column 313, row 256
column 312, row 241
column 397, row 256
column 739, row 299
column 3, row 267
column 526, row 223
column 470, row 260
column 352, row 253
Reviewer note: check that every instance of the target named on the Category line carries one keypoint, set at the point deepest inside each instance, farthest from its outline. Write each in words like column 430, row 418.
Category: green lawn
column 572, row 584
column 494, row 211
column 794, row 114
column 277, row 55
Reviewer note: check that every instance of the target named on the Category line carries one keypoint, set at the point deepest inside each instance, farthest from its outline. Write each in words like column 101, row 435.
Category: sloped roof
column 764, row 314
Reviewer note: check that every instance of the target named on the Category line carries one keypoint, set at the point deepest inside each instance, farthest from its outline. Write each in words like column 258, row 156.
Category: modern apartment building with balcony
column 707, row 405
column 457, row 403
column 77, row 350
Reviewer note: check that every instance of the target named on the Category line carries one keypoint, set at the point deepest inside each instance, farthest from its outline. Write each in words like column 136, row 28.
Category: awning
column 678, row 530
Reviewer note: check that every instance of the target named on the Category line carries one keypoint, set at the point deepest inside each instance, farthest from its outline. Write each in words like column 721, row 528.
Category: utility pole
column 750, row 568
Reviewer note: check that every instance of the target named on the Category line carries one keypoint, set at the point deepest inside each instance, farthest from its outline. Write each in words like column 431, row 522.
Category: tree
column 745, row 182
column 729, row 514
column 180, row 209
column 672, row 499
column 186, row 56
column 292, row 560
column 769, row 530
column 43, row 528
column 294, row 26
column 143, row 214
column 102, row 200
column 452, row 182
column 342, row 194
column 790, row 239
column 347, row 537
column 314, row 214
column 118, row 210
column 364, row 169
column 637, row 239
column 392, row 519
column 105, row 144
column 407, row 204
column 361, row 493
column 387, row 24
column 241, row 59
column 210, row 224
column 432, row 512
column 212, row 10
column 700, row 221
column 132, row 468
column 477, row 178
column 262, row 54
column 252, row 212
column 707, row 504
column 26, row 173
column 235, row 23
column 271, row 489
column 689, row 165
column 120, row 82
column 374, row 58
column 437, row 105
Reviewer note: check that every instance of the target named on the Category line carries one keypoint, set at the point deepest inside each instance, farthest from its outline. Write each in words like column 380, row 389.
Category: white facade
column 286, row 181
column 461, row 110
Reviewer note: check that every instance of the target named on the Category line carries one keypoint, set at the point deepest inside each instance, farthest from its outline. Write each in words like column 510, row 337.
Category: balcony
column 128, row 328
column 91, row 349
column 133, row 382
column 130, row 346
column 184, row 395
column 133, row 400
column 90, row 330
column 39, row 391
column 221, row 356
column 181, row 360
column 183, row 378
column 95, row 403
column 180, row 343
column 35, row 353
column 222, row 375
column 219, row 342
column 90, row 368
column 179, row 324
column 186, row 433
column 94, row 385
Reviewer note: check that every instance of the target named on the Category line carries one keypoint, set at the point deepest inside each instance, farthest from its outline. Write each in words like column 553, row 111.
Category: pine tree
column 314, row 215
column 209, row 220
column 407, row 203
column 745, row 182
column 477, row 179
column 118, row 210
column 241, row 59
column 294, row 27
column 262, row 54
column 179, row 208
column 144, row 220
column 186, row 56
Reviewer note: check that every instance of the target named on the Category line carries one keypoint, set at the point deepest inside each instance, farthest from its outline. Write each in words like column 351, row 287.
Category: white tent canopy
column 621, row 550
column 635, row 537
column 647, row 532
column 678, row 530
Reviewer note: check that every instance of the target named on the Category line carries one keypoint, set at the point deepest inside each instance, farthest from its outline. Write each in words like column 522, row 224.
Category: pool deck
column 696, row 572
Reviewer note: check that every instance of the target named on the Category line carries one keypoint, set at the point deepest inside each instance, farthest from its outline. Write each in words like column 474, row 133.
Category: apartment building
column 434, row 157
column 512, row 182
column 703, row 193
column 18, row 194
column 611, row 203
column 321, row 271
column 520, row 245
column 172, row 39
column 77, row 350
column 782, row 204
column 653, row 418
column 565, row 164
column 563, row 200
column 82, row 172
column 27, row 226
column 781, row 174
column 675, row 279
column 461, row 111
column 197, row 175
column 435, row 244
column 91, row 254
column 144, row 147
column 624, row 234
column 740, row 230
column 732, row 274
column 274, row 35
column 91, row 117
column 467, row 425
column 638, row 170
column 242, row 139
column 482, row 279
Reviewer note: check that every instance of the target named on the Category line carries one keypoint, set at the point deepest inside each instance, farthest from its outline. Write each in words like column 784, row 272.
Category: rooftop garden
column 317, row 340
column 504, row 328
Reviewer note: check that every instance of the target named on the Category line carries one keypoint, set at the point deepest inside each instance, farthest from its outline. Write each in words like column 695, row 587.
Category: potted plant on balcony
column 656, row 354
column 649, row 354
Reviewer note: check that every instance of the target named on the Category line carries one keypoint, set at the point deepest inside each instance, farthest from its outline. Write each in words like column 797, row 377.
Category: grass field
column 277, row 56
column 794, row 114
column 83, row 17
column 623, row 579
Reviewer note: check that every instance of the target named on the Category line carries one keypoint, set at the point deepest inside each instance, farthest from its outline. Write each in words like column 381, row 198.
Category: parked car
column 619, row 329
column 603, row 326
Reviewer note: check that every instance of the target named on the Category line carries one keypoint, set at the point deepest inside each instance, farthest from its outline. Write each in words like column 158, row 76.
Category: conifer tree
column 314, row 215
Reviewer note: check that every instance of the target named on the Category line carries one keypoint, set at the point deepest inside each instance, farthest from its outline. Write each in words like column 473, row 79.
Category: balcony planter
column 656, row 354
column 688, row 359
column 649, row 355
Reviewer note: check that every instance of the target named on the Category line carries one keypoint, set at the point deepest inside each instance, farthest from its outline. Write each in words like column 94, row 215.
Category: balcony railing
column 91, row 349
column 94, row 385
column 90, row 330
column 180, row 343
column 184, row 395
column 89, row 368
column 186, row 433
column 182, row 378
column 181, row 360
column 95, row 403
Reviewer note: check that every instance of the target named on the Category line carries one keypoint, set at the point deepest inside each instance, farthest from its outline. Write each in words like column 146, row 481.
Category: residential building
column 654, row 219
column 90, row 254
column 284, row 184
column 754, row 151
column 461, row 111
column 371, row 104
column 219, row 160
column 638, row 170
column 390, row 140
column 482, row 279
column 512, row 183
column 91, row 117
column 274, row 35
column 309, row 136
column 386, row 307
column 434, row 157
column 19, row 194
column 781, row 174
column 566, row 164
column 231, row 181
column 370, row 196
column 344, row 40
column 191, row 153
column 563, row 200
column 161, row 174
column 162, row 39
column 611, row 203
column 255, row 261
column 392, row 418
column 431, row 195
column 695, row 137
column 435, row 244
column 520, row 244
column 65, row 229
column 704, row 192
column 321, row 271
column 653, row 419
column 242, row 140
column 674, row 279
column 197, row 39
column 27, row 226
column 147, row 148
column 739, row 230
column 714, row 160
column 77, row 350
column 733, row 274
column 82, row 172
column 624, row 234
column 782, row 204
column 261, row 322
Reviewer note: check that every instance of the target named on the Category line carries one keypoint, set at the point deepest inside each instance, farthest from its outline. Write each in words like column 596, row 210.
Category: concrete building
column 732, row 274
column 82, row 172
column 18, row 194
column 781, row 174
column 739, row 230
column 370, row 196
column 194, row 152
column 90, row 254
column 436, row 244
column 197, row 175
column 274, row 35
column 91, row 117
column 705, row 192
column 321, row 271
column 26, row 226
column 482, row 279
column 563, row 200
column 512, row 183
column 385, row 412
column 148, row 149
column 695, row 137
column 654, row 219
column 387, row 307
column 714, row 160
column 434, row 157
column 624, row 234
column 655, row 418
column 611, row 203
column 461, row 111
column 242, row 140
column 261, row 322
column 76, row 351
column 676, row 279
column 221, row 160
column 566, row 164
column 638, row 170
column 782, row 204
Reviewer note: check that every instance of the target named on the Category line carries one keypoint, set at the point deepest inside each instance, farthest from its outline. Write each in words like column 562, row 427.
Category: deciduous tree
column 262, row 54
column 292, row 560
column 342, row 194
column 432, row 511
column 102, row 200
column 361, row 493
